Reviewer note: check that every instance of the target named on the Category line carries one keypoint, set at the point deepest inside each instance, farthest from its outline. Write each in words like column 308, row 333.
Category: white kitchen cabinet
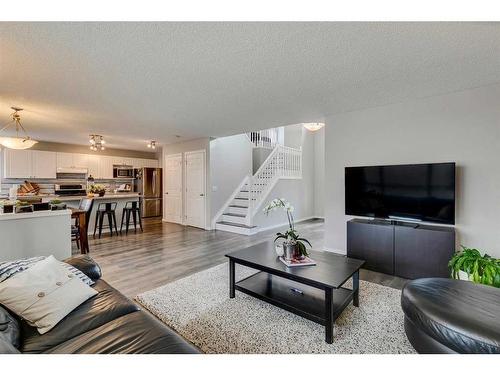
column 64, row 160
column 43, row 164
column 152, row 163
column 105, row 167
column 70, row 160
column 136, row 162
column 17, row 163
column 80, row 160
column 29, row 164
column 93, row 165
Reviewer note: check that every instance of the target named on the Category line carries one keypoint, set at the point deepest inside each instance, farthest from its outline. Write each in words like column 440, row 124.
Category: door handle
column 166, row 193
column 202, row 195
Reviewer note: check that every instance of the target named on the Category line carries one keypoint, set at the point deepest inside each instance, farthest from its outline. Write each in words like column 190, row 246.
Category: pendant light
column 96, row 142
column 17, row 143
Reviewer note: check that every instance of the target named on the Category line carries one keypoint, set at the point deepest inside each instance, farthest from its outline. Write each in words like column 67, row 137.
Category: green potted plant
column 22, row 207
column 97, row 189
column 7, row 206
column 469, row 264
column 57, row 204
column 293, row 245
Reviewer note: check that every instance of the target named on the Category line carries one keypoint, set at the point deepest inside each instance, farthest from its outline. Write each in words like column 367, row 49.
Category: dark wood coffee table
column 313, row 292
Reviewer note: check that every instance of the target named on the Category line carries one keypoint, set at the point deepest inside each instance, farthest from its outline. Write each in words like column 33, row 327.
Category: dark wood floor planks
column 165, row 252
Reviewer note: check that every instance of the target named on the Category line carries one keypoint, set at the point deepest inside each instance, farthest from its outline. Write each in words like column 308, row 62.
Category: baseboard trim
column 285, row 223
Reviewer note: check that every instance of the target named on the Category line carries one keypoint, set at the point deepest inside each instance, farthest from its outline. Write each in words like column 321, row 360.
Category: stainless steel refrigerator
column 148, row 183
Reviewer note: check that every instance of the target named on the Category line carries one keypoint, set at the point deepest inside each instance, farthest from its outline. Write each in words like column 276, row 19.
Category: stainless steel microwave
column 123, row 171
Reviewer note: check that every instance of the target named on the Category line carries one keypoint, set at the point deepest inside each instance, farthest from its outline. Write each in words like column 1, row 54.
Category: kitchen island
column 32, row 234
column 120, row 198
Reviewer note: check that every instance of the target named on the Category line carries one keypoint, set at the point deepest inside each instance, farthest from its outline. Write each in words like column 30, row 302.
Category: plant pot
column 58, row 206
column 8, row 209
column 279, row 249
column 24, row 209
column 463, row 275
column 290, row 251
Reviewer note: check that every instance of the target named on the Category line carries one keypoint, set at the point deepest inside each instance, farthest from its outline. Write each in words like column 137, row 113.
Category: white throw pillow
column 44, row 293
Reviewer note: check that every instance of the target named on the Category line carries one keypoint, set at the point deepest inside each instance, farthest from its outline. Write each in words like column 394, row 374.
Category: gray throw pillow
column 9, row 269
column 9, row 329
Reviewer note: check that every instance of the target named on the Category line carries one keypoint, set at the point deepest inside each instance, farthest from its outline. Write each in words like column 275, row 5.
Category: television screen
column 423, row 192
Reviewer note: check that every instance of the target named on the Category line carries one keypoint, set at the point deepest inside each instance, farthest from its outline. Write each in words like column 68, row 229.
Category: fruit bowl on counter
column 96, row 190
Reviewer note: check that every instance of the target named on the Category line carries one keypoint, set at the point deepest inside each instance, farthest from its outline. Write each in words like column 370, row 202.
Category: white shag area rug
column 198, row 307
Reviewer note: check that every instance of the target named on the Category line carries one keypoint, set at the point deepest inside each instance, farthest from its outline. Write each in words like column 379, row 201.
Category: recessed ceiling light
column 313, row 126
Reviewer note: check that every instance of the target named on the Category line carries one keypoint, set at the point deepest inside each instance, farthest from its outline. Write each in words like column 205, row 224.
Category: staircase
column 237, row 214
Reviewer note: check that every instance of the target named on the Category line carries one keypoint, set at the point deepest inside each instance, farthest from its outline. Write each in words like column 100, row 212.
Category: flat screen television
column 420, row 192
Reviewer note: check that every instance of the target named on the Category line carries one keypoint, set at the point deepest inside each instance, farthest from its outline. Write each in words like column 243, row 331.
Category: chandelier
column 313, row 126
column 96, row 142
column 17, row 143
column 152, row 145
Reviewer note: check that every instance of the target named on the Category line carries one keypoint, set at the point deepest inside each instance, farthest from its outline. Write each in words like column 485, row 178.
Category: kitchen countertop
column 106, row 196
column 33, row 215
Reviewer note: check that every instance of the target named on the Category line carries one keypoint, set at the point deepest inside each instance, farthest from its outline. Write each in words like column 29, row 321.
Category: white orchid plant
column 290, row 236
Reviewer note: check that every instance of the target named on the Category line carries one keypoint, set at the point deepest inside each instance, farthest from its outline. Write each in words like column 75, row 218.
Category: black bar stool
column 131, row 208
column 106, row 209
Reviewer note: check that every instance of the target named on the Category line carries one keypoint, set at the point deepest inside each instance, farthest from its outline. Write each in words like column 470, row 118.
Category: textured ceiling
column 137, row 81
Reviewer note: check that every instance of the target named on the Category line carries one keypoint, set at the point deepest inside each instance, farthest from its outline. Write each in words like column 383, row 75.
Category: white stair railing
column 267, row 138
column 283, row 163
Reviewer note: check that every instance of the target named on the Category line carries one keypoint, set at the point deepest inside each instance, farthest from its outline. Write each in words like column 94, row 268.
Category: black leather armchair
column 451, row 316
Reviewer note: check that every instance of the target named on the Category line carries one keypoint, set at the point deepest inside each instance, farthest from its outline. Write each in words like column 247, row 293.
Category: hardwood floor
column 165, row 252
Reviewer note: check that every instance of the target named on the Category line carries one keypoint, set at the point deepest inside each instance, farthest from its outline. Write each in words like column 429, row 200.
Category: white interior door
column 173, row 188
column 195, row 188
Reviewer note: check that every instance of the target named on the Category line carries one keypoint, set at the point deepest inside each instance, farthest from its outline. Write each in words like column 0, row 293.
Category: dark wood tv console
column 407, row 250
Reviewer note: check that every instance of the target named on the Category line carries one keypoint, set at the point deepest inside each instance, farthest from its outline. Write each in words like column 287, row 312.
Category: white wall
column 230, row 162
column 194, row 145
column 319, row 173
column 463, row 127
column 299, row 192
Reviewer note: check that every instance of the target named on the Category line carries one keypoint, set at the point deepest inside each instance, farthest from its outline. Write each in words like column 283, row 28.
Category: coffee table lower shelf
column 300, row 299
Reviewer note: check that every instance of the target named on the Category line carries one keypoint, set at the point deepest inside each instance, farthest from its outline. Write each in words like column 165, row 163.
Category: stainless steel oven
column 70, row 189
column 123, row 171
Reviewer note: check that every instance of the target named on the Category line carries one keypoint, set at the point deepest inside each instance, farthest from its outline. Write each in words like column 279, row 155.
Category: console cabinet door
column 423, row 252
column 372, row 243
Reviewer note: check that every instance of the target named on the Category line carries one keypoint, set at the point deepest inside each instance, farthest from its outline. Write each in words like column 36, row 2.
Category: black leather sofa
column 451, row 316
column 106, row 323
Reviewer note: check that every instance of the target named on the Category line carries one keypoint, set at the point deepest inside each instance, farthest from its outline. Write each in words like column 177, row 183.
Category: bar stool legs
column 109, row 210
column 131, row 208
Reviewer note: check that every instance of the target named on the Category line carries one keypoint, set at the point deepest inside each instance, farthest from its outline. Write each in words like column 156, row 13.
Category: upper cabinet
column 93, row 165
column 44, row 164
column 24, row 164
column 70, row 160
column 105, row 167
column 29, row 164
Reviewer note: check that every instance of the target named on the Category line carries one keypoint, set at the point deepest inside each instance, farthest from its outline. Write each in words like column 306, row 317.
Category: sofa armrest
column 87, row 265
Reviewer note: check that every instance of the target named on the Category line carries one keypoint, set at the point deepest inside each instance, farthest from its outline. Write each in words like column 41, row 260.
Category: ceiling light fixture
column 96, row 142
column 152, row 144
column 17, row 143
column 313, row 126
